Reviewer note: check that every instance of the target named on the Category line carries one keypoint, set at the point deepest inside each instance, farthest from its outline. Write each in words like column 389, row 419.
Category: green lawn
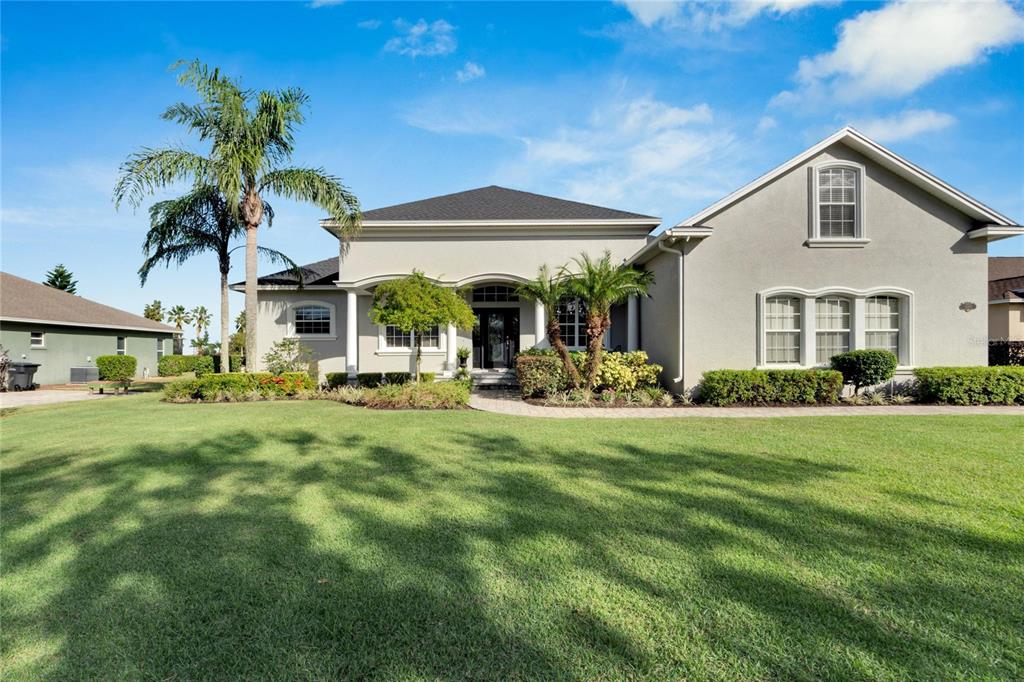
column 314, row 540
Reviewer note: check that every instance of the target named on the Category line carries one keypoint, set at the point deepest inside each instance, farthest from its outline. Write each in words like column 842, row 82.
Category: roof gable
column 498, row 204
column 321, row 272
column 880, row 155
column 24, row 299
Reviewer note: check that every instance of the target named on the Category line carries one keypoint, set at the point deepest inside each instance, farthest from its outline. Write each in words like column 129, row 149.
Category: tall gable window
column 838, row 194
column 782, row 330
column 312, row 319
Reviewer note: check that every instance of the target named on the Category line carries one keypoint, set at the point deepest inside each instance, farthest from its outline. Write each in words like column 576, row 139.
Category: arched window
column 882, row 323
column 782, row 330
column 832, row 327
column 838, row 194
column 313, row 319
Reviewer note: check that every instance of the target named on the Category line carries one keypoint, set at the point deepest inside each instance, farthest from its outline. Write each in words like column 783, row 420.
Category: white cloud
column 422, row 39
column 470, row 72
column 897, row 49
column 906, row 124
column 369, row 24
column 713, row 16
column 317, row 4
column 765, row 124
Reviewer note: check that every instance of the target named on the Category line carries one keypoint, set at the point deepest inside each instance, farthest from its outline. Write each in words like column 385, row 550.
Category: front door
column 496, row 337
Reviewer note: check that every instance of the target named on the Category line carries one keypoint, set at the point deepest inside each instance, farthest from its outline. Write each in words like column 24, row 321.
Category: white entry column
column 540, row 324
column 632, row 324
column 351, row 332
column 453, row 340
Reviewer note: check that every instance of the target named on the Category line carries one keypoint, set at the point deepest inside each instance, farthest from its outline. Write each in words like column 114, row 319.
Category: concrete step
column 496, row 379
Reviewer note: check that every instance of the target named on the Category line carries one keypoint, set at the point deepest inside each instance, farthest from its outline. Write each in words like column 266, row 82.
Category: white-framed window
column 805, row 328
column 159, row 348
column 782, row 330
column 882, row 323
column 312, row 320
column 37, row 340
column 832, row 327
column 838, row 199
column 122, row 345
column 393, row 338
column 572, row 322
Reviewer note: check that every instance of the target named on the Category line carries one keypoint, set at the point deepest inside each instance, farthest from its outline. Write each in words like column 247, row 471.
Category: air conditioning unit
column 83, row 375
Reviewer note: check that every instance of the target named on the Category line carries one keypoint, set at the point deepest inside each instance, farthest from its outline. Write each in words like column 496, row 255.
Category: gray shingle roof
column 498, row 203
column 321, row 272
column 22, row 299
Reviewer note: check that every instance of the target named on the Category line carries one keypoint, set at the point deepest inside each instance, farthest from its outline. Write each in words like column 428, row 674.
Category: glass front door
column 496, row 337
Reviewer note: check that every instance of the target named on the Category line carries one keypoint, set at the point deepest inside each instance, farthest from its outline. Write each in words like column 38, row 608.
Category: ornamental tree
column 416, row 305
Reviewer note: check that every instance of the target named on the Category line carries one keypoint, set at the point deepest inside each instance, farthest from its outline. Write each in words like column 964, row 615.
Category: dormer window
column 838, row 193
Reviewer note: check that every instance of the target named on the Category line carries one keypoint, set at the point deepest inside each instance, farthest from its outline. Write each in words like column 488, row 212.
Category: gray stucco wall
column 68, row 347
column 918, row 243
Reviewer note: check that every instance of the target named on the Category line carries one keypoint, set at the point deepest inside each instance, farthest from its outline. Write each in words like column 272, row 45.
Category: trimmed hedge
column 865, row 367
column 771, row 387
column 442, row 395
column 336, row 379
column 238, row 386
column 203, row 365
column 175, row 365
column 369, row 379
column 541, row 373
column 427, row 377
column 116, row 367
column 397, row 378
column 971, row 385
column 234, row 363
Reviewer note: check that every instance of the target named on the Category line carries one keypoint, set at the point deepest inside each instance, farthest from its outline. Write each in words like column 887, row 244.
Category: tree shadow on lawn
column 511, row 560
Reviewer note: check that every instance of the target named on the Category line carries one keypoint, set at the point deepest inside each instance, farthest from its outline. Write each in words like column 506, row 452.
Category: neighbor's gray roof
column 497, row 203
column 1005, row 277
column 22, row 299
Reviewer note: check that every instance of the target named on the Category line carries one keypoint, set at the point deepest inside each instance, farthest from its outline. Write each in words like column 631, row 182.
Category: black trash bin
column 21, row 376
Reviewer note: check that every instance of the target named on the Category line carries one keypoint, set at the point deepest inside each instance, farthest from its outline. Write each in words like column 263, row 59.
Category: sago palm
column 201, row 222
column 251, row 137
column 600, row 284
column 549, row 290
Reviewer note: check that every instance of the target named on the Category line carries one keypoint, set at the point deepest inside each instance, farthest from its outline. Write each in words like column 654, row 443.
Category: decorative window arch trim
column 859, row 238
column 808, row 331
column 294, row 306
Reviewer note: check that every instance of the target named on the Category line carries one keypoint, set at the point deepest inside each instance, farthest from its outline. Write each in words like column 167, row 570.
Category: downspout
column 679, row 311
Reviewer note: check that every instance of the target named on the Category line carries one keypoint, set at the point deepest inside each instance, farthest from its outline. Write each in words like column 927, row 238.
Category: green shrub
column 182, row 390
column 369, row 379
column 540, row 375
column 175, row 365
column 971, row 385
column 286, row 384
column 626, row 371
column 397, row 378
column 865, row 367
column 231, row 385
column 771, row 387
column 427, row 377
column 442, row 395
column 203, row 365
column 234, row 363
column 239, row 386
column 337, row 379
column 116, row 367
column 289, row 355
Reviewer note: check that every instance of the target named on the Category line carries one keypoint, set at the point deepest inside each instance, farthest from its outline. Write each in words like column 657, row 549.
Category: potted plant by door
column 462, row 353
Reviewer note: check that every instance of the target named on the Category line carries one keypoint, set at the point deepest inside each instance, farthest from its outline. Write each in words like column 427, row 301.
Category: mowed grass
column 311, row 540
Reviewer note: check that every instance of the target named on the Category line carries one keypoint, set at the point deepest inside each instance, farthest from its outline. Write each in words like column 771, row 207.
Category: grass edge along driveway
column 312, row 540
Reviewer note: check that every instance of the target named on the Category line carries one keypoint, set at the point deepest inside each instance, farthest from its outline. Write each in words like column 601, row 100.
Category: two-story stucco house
column 845, row 246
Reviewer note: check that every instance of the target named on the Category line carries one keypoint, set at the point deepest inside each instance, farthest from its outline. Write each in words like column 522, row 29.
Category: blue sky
column 655, row 107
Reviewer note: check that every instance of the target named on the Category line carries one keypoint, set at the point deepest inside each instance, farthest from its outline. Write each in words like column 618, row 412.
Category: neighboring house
column 59, row 331
column 845, row 246
column 1006, row 298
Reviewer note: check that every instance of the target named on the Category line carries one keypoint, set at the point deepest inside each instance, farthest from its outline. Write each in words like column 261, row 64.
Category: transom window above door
column 495, row 293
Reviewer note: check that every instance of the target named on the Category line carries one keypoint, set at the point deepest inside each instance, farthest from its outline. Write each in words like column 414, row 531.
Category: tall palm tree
column 549, row 290
column 252, row 138
column 200, row 222
column 600, row 284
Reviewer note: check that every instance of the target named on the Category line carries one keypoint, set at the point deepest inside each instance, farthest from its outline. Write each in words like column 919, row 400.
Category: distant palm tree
column 600, row 284
column 200, row 222
column 252, row 137
column 549, row 290
column 179, row 317
column 200, row 319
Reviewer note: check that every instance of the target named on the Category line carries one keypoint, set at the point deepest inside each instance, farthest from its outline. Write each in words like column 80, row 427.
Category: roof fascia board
column 993, row 233
column 63, row 323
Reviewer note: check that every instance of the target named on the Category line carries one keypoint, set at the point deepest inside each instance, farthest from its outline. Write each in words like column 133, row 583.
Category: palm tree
column 199, row 222
column 600, row 284
column 179, row 317
column 200, row 320
column 549, row 290
column 252, row 138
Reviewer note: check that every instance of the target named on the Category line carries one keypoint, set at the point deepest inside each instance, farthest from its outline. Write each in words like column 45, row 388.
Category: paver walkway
column 44, row 397
column 503, row 402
